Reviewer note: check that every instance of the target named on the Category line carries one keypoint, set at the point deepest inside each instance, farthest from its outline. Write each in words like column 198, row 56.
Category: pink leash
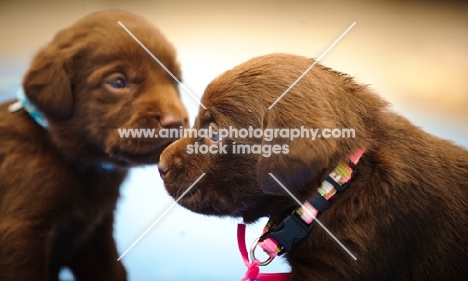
column 253, row 271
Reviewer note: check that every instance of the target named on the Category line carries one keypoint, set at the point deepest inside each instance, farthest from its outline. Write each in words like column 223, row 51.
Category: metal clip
column 252, row 254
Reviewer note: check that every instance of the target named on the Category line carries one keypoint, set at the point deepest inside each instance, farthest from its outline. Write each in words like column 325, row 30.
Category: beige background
column 413, row 54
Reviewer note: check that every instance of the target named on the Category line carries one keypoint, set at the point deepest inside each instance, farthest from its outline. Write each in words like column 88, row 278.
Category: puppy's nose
column 163, row 168
column 172, row 121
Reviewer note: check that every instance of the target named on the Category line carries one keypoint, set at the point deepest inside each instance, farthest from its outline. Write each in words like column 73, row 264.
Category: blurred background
column 413, row 53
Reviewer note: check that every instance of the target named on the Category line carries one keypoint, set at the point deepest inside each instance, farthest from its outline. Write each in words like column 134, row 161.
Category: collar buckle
column 344, row 186
column 288, row 232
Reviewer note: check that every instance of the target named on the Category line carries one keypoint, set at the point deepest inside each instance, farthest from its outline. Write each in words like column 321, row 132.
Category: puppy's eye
column 118, row 83
column 215, row 136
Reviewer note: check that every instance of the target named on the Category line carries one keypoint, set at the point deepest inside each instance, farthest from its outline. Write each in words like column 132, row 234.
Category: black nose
column 172, row 121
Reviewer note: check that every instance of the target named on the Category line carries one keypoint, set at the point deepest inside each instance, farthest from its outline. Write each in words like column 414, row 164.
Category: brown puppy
column 405, row 213
column 59, row 185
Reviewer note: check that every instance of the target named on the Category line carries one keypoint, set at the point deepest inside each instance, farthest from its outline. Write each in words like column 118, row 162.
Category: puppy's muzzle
column 162, row 167
column 172, row 121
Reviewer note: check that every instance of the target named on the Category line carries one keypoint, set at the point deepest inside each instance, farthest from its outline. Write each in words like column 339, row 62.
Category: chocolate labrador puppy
column 62, row 159
column 400, row 206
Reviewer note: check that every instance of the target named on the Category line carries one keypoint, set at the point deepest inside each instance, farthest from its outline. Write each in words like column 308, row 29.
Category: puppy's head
column 94, row 80
column 239, row 182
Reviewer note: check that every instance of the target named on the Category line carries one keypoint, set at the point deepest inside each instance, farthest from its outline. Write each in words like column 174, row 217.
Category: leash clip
column 252, row 254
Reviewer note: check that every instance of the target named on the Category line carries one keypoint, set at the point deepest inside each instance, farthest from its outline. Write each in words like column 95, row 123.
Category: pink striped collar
column 278, row 239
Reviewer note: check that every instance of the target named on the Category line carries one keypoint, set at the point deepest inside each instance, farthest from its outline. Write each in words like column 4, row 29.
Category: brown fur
column 56, row 202
column 404, row 215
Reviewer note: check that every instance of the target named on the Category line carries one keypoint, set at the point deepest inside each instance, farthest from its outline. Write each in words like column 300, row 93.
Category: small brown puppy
column 59, row 184
column 404, row 214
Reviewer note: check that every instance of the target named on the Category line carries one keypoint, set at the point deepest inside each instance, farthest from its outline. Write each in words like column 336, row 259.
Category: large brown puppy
column 405, row 213
column 59, row 185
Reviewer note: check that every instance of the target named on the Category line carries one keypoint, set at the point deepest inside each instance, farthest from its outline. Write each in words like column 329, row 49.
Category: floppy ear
column 301, row 161
column 47, row 84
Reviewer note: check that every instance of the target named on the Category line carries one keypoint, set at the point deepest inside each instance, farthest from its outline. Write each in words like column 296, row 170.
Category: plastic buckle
column 342, row 188
column 288, row 232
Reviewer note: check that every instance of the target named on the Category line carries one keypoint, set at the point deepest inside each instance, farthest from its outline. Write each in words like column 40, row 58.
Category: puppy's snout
column 162, row 167
column 172, row 121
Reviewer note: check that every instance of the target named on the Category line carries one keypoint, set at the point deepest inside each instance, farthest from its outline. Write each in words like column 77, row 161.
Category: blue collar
column 108, row 167
column 24, row 103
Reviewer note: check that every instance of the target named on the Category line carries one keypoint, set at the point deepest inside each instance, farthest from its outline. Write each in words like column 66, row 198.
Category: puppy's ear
column 47, row 84
column 298, row 164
